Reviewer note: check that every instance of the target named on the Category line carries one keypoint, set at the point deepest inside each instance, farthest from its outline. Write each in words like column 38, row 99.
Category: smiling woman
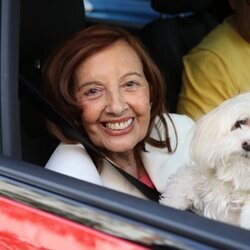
column 106, row 84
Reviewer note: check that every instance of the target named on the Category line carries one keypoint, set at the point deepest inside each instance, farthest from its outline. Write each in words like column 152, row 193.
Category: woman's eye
column 131, row 84
column 91, row 92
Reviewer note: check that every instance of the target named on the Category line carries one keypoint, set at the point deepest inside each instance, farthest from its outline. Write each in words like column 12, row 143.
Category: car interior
column 38, row 37
column 181, row 26
column 26, row 144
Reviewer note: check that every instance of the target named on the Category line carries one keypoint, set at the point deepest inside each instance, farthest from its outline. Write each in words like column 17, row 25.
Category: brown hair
column 59, row 73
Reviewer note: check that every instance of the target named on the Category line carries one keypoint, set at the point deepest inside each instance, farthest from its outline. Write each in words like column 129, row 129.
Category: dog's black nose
column 246, row 145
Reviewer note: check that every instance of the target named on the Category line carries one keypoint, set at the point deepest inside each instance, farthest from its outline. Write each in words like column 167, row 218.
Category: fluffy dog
column 216, row 183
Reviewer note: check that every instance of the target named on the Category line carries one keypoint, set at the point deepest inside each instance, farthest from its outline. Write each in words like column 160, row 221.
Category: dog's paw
column 245, row 217
column 171, row 201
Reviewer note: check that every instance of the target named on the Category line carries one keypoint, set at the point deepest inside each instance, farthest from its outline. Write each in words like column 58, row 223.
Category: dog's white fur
column 217, row 182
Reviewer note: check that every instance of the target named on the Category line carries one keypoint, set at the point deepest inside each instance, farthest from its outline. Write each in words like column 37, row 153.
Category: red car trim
column 24, row 227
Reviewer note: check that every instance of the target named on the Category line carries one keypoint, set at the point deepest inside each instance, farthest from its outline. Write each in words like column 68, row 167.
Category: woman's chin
column 119, row 148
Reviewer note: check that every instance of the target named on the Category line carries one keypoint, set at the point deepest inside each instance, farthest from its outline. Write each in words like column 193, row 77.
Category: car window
column 24, row 180
column 130, row 13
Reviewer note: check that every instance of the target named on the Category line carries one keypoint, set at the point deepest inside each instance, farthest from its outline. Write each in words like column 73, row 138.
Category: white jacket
column 74, row 161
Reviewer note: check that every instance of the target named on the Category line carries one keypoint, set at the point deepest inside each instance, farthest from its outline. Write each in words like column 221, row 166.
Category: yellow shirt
column 217, row 69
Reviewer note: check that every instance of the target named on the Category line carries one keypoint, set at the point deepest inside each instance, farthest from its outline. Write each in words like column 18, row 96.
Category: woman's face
column 114, row 95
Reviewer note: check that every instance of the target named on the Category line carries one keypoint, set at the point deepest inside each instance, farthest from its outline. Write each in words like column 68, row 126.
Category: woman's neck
column 128, row 163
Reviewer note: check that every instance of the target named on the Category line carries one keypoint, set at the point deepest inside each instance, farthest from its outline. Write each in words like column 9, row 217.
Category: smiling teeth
column 119, row 125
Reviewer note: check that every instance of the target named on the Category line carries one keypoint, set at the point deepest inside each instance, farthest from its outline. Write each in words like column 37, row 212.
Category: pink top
column 146, row 180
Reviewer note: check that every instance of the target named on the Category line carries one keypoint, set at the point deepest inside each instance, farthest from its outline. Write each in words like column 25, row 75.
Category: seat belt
column 31, row 95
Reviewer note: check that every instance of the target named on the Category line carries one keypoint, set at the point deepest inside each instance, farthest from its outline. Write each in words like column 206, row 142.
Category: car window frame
column 190, row 229
column 10, row 140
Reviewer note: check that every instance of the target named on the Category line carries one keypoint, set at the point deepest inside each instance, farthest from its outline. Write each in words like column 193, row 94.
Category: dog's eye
column 239, row 123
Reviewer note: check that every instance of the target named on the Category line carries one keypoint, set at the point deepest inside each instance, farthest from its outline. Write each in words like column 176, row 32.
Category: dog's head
column 221, row 142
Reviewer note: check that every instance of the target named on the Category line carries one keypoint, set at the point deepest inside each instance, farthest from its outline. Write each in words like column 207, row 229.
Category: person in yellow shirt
column 219, row 67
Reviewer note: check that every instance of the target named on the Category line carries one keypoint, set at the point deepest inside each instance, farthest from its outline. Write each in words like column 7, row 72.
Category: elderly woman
column 106, row 84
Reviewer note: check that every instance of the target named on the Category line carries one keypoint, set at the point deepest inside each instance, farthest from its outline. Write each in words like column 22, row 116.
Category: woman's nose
column 116, row 103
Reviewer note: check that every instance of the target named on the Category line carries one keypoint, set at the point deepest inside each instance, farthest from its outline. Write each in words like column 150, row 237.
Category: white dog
column 217, row 183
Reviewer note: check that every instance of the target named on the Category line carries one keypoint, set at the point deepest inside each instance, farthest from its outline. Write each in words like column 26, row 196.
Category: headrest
column 180, row 6
column 45, row 23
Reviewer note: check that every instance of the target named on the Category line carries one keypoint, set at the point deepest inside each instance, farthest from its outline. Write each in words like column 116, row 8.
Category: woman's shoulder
column 180, row 120
column 179, row 130
column 176, row 124
column 64, row 150
column 158, row 162
column 181, row 127
column 73, row 160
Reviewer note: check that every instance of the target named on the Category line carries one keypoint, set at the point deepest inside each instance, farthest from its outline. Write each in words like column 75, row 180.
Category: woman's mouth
column 119, row 125
column 116, row 126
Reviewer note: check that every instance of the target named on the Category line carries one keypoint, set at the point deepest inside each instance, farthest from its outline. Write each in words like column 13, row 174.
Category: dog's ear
column 204, row 135
column 213, row 128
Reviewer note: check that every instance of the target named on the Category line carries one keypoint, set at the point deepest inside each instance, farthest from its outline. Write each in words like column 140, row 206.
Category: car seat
column 182, row 25
column 43, row 25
